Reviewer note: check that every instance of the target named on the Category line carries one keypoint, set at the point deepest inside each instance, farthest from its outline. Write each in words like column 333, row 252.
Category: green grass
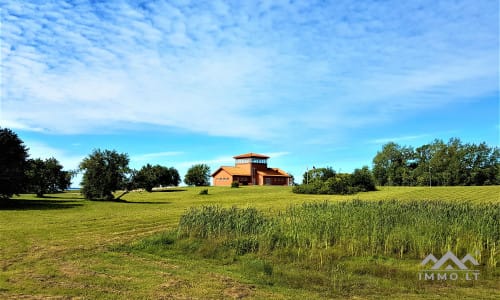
column 67, row 246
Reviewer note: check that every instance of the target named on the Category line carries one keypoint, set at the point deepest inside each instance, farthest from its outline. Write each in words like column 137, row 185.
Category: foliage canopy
column 150, row 176
column 437, row 163
column 46, row 176
column 105, row 172
column 13, row 156
column 198, row 175
column 327, row 181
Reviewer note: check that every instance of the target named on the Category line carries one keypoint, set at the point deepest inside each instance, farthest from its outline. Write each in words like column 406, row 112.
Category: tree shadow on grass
column 169, row 190
column 147, row 202
column 42, row 204
column 138, row 202
column 50, row 197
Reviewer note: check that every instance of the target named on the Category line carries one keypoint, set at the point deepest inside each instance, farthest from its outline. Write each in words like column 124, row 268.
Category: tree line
column 434, row 164
column 104, row 172
column 437, row 163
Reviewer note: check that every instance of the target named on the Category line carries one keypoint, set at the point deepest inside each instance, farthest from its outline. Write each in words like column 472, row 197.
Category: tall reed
column 319, row 232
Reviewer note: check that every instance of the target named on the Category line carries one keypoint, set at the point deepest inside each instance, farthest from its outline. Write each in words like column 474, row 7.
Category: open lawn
column 65, row 247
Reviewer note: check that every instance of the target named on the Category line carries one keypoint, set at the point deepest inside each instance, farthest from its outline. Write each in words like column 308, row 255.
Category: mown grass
column 67, row 246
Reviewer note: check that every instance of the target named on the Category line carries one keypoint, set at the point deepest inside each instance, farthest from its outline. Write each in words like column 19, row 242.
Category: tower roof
column 250, row 155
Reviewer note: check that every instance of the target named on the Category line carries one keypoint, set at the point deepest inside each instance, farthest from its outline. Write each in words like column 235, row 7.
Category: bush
column 339, row 184
column 235, row 184
column 203, row 192
column 305, row 189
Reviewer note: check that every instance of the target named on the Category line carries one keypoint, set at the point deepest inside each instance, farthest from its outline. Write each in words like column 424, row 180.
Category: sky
column 309, row 83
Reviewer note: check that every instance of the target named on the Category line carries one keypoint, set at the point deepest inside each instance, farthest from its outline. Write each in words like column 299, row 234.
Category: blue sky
column 323, row 83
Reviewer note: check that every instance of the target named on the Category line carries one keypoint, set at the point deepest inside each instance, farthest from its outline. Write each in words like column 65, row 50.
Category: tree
column 150, row 176
column 46, row 176
column 13, row 155
column 105, row 172
column 363, row 179
column 145, row 178
column 168, row 176
column 423, row 155
column 438, row 163
column 391, row 165
column 318, row 174
column 326, row 181
column 198, row 175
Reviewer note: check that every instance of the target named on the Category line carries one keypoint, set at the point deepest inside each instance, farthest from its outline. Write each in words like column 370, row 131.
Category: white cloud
column 400, row 139
column 277, row 154
column 217, row 161
column 17, row 125
column 44, row 151
column 265, row 70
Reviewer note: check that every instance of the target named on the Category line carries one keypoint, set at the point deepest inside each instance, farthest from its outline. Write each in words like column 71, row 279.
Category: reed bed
column 319, row 233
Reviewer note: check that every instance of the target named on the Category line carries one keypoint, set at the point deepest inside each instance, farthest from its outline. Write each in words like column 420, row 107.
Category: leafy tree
column 46, row 176
column 13, row 155
column 150, row 176
column 105, row 172
column 363, row 179
column 483, row 165
column 198, row 175
column 169, row 177
column 390, row 166
column 326, row 181
column 318, row 174
column 423, row 157
column 438, row 163
column 146, row 178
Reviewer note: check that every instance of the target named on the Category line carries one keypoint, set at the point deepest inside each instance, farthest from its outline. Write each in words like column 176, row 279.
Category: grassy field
column 65, row 247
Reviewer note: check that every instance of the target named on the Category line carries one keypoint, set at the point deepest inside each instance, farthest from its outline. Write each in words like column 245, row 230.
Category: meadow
column 277, row 246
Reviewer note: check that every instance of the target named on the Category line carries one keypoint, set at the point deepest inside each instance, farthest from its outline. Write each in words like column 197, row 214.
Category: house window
column 243, row 161
column 259, row 160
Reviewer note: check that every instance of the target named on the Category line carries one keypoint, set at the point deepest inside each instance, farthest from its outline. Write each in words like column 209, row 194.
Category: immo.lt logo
column 449, row 267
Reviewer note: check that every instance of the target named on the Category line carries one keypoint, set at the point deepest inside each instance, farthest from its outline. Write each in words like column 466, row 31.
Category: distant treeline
column 437, row 163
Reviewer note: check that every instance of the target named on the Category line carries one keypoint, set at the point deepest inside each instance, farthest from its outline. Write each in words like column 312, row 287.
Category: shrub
column 235, row 184
column 203, row 192
column 341, row 184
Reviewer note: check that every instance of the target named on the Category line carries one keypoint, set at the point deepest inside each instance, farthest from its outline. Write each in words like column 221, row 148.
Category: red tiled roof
column 250, row 155
column 232, row 171
column 274, row 172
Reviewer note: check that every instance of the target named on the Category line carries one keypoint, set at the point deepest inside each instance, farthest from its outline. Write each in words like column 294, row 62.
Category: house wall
column 273, row 180
column 222, row 178
column 243, row 180
column 248, row 167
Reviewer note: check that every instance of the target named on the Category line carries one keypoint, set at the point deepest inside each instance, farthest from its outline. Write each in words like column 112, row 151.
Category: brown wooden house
column 250, row 169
